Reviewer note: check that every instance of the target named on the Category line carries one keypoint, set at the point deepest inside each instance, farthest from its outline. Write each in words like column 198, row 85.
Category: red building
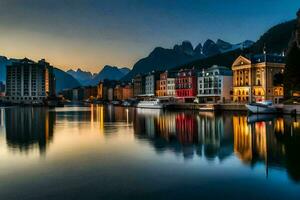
column 186, row 85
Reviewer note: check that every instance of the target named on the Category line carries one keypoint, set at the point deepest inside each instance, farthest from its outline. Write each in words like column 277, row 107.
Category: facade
column 78, row 94
column 127, row 92
column 166, row 85
column 214, row 85
column 138, row 85
column 254, row 78
column 29, row 82
column 186, row 85
column 118, row 93
column 161, row 84
column 171, row 86
column 150, row 84
column 90, row 92
column 110, row 94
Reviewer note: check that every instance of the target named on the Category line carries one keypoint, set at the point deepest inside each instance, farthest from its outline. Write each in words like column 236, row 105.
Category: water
column 116, row 153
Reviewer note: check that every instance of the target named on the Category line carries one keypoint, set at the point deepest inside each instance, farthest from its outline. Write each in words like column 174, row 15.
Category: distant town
column 250, row 78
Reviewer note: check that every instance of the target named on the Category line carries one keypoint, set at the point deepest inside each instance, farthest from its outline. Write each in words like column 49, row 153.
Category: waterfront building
column 103, row 87
column 166, row 84
column 118, row 93
column 110, row 94
column 90, row 92
column 214, row 85
column 138, row 85
column 186, row 85
column 171, row 86
column 127, row 92
column 150, row 83
column 78, row 94
column 28, row 81
column 258, row 78
column 161, row 85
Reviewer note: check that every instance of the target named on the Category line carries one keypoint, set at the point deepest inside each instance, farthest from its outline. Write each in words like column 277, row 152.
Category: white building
column 171, row 87
column 214, row 85
column 28, row 81
column 150, row 84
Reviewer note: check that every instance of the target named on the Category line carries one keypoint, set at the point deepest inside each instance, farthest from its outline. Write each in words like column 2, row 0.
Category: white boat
column 265, row 107
column 151, row 103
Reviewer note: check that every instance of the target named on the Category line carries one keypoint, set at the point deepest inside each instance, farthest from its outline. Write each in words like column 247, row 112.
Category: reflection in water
column 270, row 141
column 27, row 128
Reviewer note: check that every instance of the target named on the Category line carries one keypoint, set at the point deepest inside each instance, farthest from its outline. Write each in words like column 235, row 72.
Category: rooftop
column 272, row 58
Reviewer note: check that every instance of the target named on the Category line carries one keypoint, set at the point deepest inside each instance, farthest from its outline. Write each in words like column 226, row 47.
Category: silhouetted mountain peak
column 185, row 47
column 223, row 45
column 198, row 49
column 210, row 48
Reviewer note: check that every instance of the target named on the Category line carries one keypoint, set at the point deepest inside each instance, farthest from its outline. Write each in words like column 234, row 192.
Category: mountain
column 292, row 72
column 82, row 76
column 276, row 40
column 161, row 59
column 109, row 73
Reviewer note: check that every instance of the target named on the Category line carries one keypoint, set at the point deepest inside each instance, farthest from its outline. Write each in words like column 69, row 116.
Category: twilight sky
column 91, row 33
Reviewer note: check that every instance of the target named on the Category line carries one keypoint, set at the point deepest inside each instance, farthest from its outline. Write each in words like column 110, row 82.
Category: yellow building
column 258, row 78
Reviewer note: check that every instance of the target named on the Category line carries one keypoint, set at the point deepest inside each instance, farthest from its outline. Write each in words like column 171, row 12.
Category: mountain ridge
column 163, row 59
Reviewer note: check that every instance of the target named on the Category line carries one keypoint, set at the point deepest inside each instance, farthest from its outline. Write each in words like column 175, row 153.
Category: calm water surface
column 116, row 153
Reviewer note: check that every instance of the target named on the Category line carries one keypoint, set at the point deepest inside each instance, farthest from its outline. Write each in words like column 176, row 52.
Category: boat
column 263, row 107
column 152, row 104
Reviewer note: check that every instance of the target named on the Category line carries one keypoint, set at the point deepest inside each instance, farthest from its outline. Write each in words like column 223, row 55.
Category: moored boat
column 264, row 107
column 152, row 103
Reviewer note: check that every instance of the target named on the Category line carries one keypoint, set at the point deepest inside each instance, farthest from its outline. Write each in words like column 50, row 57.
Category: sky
column 92, row 33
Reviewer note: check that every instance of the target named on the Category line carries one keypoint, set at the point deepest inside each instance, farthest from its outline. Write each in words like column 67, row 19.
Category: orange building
column 161, row 89
column 127, row 92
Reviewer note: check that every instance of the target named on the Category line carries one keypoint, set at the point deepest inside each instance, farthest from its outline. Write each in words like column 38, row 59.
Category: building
column 258, row 78
column 214, row 85
column 90, row 92
column 127, row 92
column 118, row 92
column 150, row 83
column 186, row 85
column 2, row 89
column 161, row 85
column 138, row 85
column 103, row 87
column 171, row 92
column 78, row 94
column 28, row 81
column 165, row 86
column 110, row 94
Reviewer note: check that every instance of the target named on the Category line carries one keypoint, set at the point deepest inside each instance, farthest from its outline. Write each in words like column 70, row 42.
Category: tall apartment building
column 29, row 82
column 214, row 84
column 257, row 78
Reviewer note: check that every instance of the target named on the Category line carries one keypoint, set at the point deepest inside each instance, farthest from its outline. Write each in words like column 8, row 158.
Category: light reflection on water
column 146, row 152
